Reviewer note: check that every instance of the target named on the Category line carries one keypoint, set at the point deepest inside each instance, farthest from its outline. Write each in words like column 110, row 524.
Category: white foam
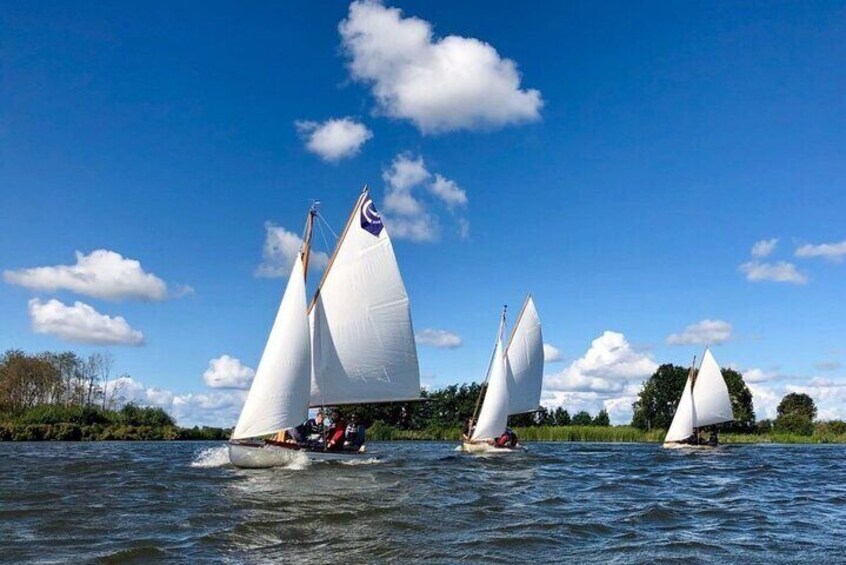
column 211, row 457
column 368, row 461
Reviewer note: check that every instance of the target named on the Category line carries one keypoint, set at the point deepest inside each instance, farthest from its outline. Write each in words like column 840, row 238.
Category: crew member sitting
column 312, row 426
column 507, row 439
column 469, row 425
column 355, row 434
column 335, row 434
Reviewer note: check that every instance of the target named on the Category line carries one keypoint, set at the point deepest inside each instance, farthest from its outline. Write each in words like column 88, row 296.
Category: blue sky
column 619, row 161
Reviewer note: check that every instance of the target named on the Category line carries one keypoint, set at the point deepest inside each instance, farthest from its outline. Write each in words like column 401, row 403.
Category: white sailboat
column 514, row 380
column 353, row 344
column 705, row 401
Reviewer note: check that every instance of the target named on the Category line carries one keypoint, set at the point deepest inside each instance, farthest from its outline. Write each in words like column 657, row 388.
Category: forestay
column 524, row 361
column 494, row 414
column 278, row 397
column 685, row 418
column 710, row 394
column 362, row 337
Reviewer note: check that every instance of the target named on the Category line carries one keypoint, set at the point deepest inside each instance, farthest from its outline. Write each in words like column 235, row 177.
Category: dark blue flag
column 370, row 218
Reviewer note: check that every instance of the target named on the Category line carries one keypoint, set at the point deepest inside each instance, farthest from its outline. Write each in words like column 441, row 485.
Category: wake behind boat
column 705, row 401
column 513, row 384
column 353, row 344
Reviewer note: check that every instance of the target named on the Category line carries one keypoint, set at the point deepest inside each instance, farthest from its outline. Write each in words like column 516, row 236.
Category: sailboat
column 704, row 401
column 352, row 344
column 514, row 380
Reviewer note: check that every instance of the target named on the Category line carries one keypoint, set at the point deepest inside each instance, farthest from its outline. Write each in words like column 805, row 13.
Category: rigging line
column 328, row 226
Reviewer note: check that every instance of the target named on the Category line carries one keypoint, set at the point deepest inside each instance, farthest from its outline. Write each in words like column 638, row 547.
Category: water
column 588, row 503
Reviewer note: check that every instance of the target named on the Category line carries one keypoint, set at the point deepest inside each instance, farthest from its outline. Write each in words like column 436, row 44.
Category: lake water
column 585, row 503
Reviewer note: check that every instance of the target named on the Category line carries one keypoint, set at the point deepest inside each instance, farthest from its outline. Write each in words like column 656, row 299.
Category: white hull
column 482, row 447
column 263, row 456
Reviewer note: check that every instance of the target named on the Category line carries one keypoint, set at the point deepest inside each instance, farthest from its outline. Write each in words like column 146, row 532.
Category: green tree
column 741, row 402
column 561, row 417
column 794, row 423
column 582, row 419
column 658, row 398
column 798, row 403
column 602, row 419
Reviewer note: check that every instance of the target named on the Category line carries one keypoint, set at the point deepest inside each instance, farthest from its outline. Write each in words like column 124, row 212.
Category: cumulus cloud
column 781, row 271
column 449, row 192
column 81, row 323
column 215, row 408
column 280, row 250
column 551, row 354
column 442, row 339
column 408, row 215
column 830, row 251
column 228, row 372
column 101, row 274
column 439, row 84
column 608, row 364
column 764, row 247
column 705, row 332
column 334, row 139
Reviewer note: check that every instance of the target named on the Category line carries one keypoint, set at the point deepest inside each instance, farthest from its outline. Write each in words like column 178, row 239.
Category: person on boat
column 713, row 440
column 354, row 436
column 508, row 439
column 313, row 426
column 336, row 432
column 469, row 425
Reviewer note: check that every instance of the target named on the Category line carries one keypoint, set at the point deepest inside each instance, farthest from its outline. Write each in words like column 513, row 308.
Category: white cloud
column 102, row 274
column 449, row 192
column 215, row 408
column 440, row 84
column 705, row 332
column 782, row 271
column 764, row 247
column 280, row 250
column 830, row 251
column 334, row 139
column 81, row 323
column 407, row 215
column 228, row 372
column 609, row 366
column 551, row 354
column 441, row 339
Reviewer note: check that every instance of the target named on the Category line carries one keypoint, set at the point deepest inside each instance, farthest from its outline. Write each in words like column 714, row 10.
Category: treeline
column 65, row 397
column 442, row 413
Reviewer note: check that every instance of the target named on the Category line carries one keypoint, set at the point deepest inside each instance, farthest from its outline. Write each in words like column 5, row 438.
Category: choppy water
column 602, row 503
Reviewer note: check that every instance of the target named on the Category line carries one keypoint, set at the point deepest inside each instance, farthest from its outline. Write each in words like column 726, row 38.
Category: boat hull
column 482, row 447
column 674, row 445
column 262, row 455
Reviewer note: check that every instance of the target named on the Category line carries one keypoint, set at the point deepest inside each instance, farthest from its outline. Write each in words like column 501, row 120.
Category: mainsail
column 278, row 397
column 703, row 403
column 494, row 414
column 362, row 337
column 524, row 361
column 710, row 394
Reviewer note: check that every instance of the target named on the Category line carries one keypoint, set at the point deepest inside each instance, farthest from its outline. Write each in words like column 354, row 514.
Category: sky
column 660, row 176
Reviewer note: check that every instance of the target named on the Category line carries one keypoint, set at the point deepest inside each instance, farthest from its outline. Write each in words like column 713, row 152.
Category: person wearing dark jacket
column 312, row 426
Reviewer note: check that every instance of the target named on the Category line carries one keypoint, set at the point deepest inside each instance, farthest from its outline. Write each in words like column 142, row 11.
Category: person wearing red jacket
column 335, row 435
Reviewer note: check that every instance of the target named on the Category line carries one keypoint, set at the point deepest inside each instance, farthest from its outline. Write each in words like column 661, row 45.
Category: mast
column 309, row 230
column 490, row 364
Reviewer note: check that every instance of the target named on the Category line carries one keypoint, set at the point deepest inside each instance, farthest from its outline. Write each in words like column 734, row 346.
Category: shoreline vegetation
column 65, row 397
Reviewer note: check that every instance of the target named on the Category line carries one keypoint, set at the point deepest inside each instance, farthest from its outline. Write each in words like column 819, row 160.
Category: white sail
column 684, row 420
column 493, row 416
column 278, row 397
column 362, row 336
column 524, row 362
column 710, row 394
